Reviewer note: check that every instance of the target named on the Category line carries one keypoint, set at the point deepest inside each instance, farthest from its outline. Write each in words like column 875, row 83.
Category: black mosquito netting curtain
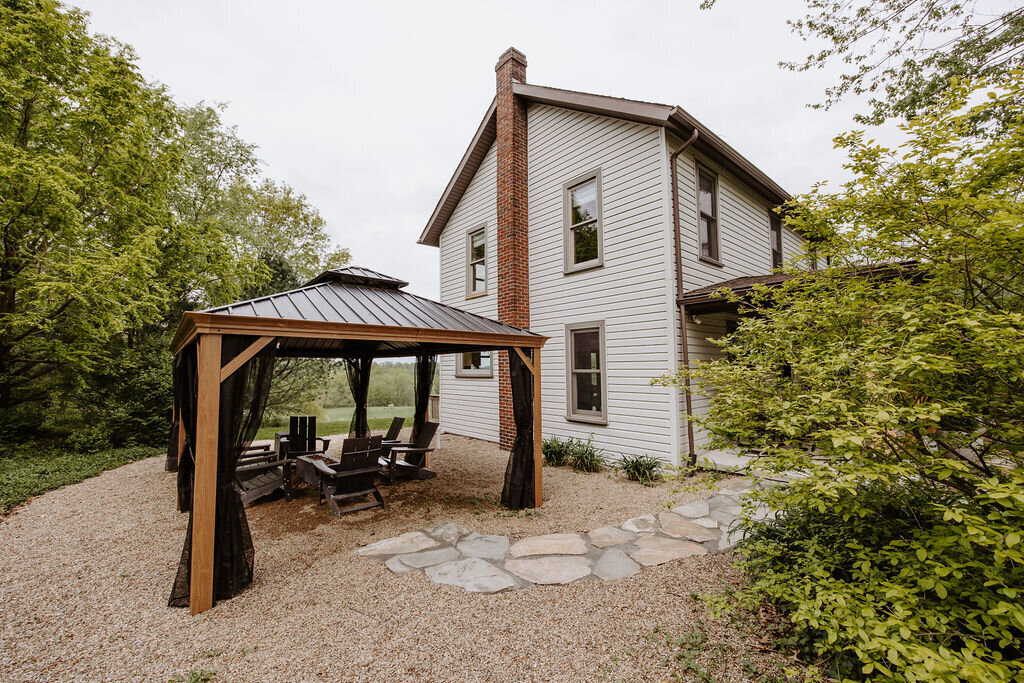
column 243, row 398
column 185, row 382
column 426, row 365
column 359, row 384
column 518, row 490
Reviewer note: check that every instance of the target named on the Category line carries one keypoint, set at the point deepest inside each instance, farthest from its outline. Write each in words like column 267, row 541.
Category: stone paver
column 675, row 526
column 406, row 543
column 450, row 554
column 396, row 565
column 488, row 547
column 549, row 570
column 447, row 532
column 605, row 536
column 699, row 508
column 706, row 522
column 615, row 564
column 549, row 544
column 657, row 550
column 640, row 524
column 428, row 558
column 473, row 574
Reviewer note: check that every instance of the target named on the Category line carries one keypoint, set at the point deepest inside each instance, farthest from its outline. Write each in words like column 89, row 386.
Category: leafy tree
column 86, row 161
column 897, row 397
column 903, row 54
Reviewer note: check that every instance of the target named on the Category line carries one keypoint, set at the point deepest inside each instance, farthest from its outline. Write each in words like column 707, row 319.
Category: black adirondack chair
column 351, row 478
column 391, row 467
column 261, row 471
column 302, row 438
column 394, row 430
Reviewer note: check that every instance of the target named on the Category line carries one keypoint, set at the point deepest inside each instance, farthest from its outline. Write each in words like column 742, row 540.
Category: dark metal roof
column 363, row 297
column 357, row 275
column 673, row 118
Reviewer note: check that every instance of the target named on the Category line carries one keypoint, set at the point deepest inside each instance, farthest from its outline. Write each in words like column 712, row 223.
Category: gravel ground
column 86, row 571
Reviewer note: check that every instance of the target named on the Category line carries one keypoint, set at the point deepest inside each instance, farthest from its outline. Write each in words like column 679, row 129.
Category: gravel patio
column 86, row 571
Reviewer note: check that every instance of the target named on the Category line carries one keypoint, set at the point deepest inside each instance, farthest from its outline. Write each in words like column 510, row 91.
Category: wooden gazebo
column 345, row 313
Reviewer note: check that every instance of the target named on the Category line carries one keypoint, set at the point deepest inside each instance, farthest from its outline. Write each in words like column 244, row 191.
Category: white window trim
column 699, row 168
column 470, row 292
column 567, row 244
column 468, row 373
column 570, row 386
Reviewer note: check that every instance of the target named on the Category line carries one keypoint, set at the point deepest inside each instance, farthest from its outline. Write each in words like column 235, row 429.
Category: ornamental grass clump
column 584, row 457
column 644, row 468
column 555, row 451
column 892, row 384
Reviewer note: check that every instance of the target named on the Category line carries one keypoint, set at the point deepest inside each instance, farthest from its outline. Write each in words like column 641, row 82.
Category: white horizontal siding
column 628, row 292
column 469, row 406
column 744, row 249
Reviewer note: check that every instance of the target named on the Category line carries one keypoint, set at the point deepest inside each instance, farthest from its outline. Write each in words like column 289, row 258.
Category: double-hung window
column 476, row 262
column 587, row 382
column 474, row 364
column 775, row 237
column 583, row 240
column 707, row 214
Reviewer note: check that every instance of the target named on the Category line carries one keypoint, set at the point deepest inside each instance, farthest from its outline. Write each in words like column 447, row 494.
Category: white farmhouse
column 564, row 217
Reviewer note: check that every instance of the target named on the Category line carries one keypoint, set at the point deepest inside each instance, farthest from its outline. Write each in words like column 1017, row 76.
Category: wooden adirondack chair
column 392, row 468
column 393, row 431
column 302, row 438
column 261, row 471
column 353, row 477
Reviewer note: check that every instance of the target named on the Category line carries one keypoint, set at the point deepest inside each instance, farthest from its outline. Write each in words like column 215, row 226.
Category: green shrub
column 645, row 469
column 34, row 469
column 556, row 451
column 584, row 457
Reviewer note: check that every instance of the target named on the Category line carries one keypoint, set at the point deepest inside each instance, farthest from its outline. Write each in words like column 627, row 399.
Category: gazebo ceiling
column 355, row 311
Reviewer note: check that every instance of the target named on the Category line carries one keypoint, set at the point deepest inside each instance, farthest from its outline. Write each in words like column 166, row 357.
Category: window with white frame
column 583, row 240
column 476, row 262
column 707, row 213
column 585, row 364
column 474, row 364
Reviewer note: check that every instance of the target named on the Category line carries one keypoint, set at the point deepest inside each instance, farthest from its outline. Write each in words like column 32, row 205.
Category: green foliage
column 582, row 456
column 645, row 469
column 905, row 54
column 898, row 396
column 119, row 211
column 35, row 468
column 555, row 451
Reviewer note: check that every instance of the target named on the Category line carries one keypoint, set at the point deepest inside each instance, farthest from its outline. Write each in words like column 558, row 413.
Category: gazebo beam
column 204, row 488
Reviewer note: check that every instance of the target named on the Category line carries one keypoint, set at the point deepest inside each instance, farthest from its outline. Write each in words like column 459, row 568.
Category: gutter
column 692, row 455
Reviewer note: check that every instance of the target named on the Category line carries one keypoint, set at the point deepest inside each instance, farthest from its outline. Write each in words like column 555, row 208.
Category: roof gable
column 672, row 118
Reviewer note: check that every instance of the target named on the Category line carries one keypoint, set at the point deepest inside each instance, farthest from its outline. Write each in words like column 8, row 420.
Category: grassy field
column 337, row 420
column 31, row 470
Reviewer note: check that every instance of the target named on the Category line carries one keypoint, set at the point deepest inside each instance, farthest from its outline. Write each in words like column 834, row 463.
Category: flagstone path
column 449, row 554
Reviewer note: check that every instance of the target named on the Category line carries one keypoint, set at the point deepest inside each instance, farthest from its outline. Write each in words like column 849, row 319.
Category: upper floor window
column 476, row 271
column 775, row 238
column 474, row 364
column 586, row 370
column 707, row 208
column 583, row 241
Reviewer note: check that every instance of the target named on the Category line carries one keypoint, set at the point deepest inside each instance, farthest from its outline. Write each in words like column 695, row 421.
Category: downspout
column 679, row 293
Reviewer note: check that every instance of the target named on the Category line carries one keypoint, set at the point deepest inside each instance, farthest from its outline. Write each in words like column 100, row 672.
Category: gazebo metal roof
column 356, row 311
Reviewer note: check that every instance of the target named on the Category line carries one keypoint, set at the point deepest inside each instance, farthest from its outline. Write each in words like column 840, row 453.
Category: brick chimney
column 513, row 224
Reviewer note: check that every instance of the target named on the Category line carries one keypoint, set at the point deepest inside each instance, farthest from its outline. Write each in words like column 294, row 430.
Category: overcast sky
column 368, row 107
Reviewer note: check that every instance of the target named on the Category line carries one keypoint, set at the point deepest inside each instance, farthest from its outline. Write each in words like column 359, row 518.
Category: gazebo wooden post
column 204, row 489
column 538, row 459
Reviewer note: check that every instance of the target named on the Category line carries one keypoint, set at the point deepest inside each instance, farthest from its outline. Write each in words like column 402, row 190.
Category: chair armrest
column 257, row 466
column 326, row 442
column 264, row 447
column 413, row 450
